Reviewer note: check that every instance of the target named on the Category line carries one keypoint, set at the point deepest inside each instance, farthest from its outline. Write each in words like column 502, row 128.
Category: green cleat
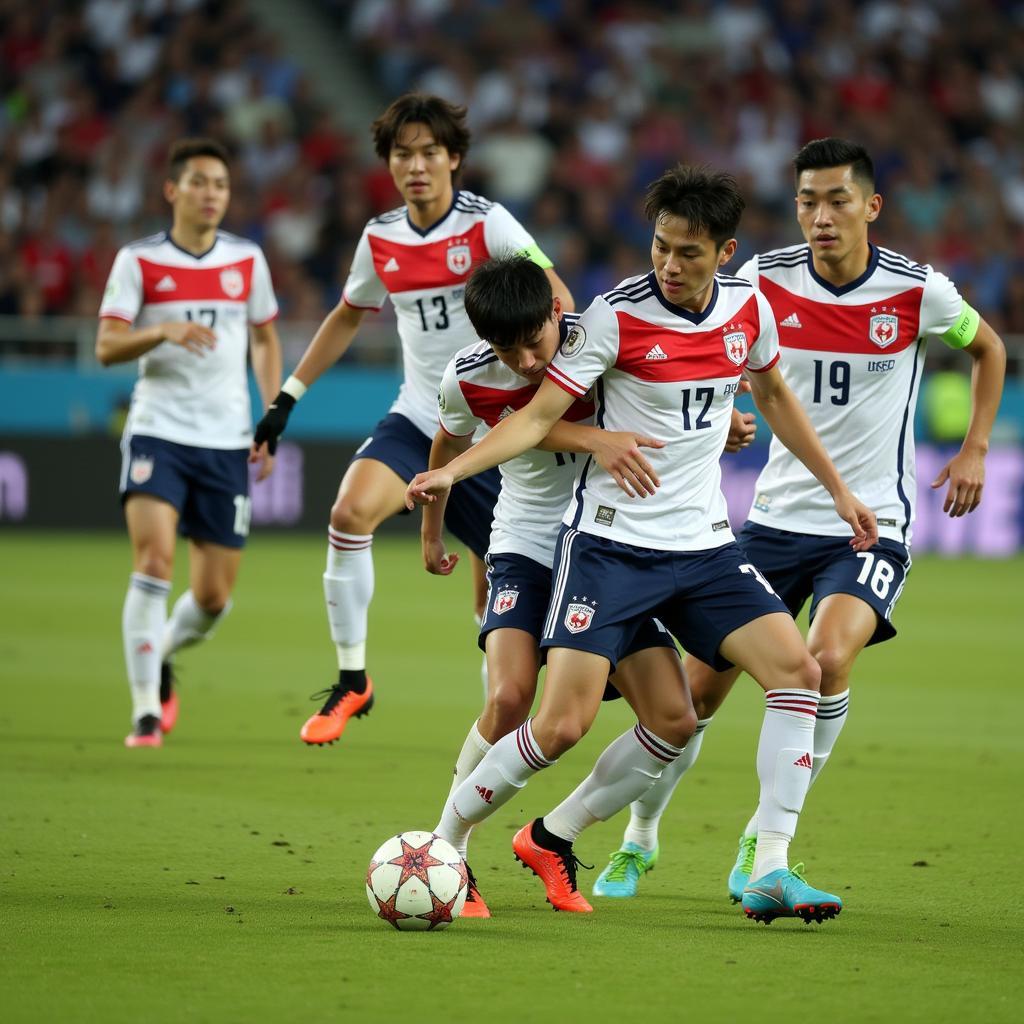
column 620, row 879
column 740, row 874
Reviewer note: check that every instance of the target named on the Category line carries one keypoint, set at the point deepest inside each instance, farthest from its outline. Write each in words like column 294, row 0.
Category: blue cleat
column 785, row 893
column 740, row 874
column 619, row 880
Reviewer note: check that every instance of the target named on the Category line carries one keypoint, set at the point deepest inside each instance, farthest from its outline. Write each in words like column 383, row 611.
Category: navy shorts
column 397, row 443
column 208, row 486
column 604, row 590
column 802, row 565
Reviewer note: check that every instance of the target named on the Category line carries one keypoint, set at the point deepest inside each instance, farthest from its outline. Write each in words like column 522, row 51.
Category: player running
column 186, row 303
column 853, row 321
column 664, row 351
column 419, row 255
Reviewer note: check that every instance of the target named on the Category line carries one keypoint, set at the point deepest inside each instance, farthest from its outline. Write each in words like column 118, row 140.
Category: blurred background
column 574, row 106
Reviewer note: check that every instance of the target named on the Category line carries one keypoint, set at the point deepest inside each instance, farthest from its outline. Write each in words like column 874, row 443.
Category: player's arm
column 436, row 560
column 788, row 421
column 524, row 429
column 742, row 426
column 265, row 349
column 965, row 472
column 119, row 342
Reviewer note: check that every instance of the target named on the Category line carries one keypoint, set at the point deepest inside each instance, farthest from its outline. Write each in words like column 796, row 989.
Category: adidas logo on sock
column 391, row 265
column 656, row 353
column 166, row 284
column 803, row 761
column 791, row 321
column 487, row 795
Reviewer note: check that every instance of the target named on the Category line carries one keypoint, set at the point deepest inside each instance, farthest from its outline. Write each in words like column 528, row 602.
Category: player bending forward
column 419, row 254
column 665, row 351
column 185, row 304
column 853, row 320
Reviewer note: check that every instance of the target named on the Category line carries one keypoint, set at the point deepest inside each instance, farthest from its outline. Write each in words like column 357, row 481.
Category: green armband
column 533, row 253
column 962, row 333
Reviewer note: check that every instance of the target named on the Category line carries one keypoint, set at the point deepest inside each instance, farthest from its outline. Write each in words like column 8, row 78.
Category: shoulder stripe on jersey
column 390, row 217
column 473, row 205
column 782, row 261
column 229, row 237
column 639, row 285
column 900, row 258
column 786, row 250
column 468, row 363
column 901, row 448
column 902, row 270
column 156, row 239
column 727, row 281
column 620, row 298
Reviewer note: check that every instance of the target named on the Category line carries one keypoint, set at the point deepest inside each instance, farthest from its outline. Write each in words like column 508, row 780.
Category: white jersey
column 853, row 356
column 180, row 396
column 670, row 374
column 477, row 388
column 425, row 274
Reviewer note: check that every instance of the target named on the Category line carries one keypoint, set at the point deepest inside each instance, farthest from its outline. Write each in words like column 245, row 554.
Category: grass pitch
column 221, row 878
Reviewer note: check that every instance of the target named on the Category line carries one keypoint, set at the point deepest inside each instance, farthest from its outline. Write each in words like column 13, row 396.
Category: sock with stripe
column 143, row 621
column 348, row 590
column 645, row 812
column 828, row 724
column 784, row 762
column 189, row 624
column 504, row 770
column 471, row 754
column 626, row 769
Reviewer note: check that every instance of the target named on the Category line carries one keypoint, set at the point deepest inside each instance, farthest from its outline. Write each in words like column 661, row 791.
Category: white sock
column 472, row 753
column 627, row 768
column 348, row 590
column 142, row 627
column 503, row 771
column 828, row 724
column 645, row 812
column 189, row 624
column 784, row 769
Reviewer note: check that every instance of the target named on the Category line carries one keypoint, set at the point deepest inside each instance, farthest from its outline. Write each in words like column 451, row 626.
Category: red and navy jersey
column 424, row 272
column 183, row 396
column 671, row 374
column 853, row 356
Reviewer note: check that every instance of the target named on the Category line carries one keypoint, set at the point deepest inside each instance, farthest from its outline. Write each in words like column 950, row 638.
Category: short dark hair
column 184, row 150
column 818, row 154
column 508, row 299
column 446, row 121
column 709, row 200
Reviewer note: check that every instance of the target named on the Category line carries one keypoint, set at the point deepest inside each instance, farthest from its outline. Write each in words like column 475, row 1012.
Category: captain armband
column 963, row 331
column 534, row 254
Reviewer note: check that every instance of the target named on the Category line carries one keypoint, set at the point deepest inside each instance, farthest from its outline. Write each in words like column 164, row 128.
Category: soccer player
column 853, row 321
column 186, row 303
column 664, row 351
column 510, row 305
column 420, row 254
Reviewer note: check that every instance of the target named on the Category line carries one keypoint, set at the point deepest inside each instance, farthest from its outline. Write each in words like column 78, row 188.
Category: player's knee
column 349, row 514
column 833, row 662
column 155, row 562
column 508, row 704
column 212, row 599
column 675, row 725
column 560, row 734
column 806, row 674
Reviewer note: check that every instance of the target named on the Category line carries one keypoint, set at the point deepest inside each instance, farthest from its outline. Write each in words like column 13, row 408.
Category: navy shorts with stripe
column 397, row 443
column 801, row 566
column 208, row 486
column 604, row 590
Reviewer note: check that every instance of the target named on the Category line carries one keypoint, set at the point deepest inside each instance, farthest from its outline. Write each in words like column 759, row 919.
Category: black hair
column 508, row 300
column 832, row 152
column 183, row 150
column 446, row 121
column 709, row 200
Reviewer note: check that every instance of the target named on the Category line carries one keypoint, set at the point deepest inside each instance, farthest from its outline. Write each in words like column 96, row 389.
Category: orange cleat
column 146, row 733
column 168, row 698
column 556, row 870
column 341, row 705
column 474, row 906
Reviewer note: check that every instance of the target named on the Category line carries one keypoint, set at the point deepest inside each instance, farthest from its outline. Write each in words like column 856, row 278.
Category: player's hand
column 271, row 427
column 436, row 560
column 264, row 458
column 742, row 426
column 618, row 453
column 965, row 473
column 861, row 519
column 189, row 335
column 427, row 487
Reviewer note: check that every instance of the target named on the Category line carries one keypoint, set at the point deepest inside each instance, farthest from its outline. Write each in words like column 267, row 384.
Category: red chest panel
column 489, row 403
column 229, row 283
column 409, row 268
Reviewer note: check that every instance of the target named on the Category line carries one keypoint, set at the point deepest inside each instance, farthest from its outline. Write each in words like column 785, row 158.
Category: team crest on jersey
column 574, row 341
column 141, row 469
column 232, row 282
column 884, row 329
column 736, row 346
column 505, row 601
column 460, row 259
column 578, row 617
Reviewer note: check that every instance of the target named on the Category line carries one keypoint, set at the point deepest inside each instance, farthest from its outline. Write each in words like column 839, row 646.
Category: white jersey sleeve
column 941, row 306
column 764, row 353
column 504, row 236
column 262, row 301
column 122, row 297
column 363, row 288
column 453, row 411
column 589, row 349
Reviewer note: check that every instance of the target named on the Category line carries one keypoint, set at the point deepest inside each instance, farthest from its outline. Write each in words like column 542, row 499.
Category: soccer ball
column 417, row 882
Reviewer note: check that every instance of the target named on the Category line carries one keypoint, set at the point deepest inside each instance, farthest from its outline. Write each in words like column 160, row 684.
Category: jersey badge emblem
column 736, row 347
column 884, row 329
column 232, row 282
column 141, row 469
column 574, row 341
column 505, row 601
column 460, row 259
column 578, row 617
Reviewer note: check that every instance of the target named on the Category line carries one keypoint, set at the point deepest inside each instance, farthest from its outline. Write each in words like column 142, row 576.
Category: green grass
column 221, row 878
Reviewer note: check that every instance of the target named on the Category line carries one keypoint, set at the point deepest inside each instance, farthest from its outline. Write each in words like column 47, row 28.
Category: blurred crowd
column 575, row 107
